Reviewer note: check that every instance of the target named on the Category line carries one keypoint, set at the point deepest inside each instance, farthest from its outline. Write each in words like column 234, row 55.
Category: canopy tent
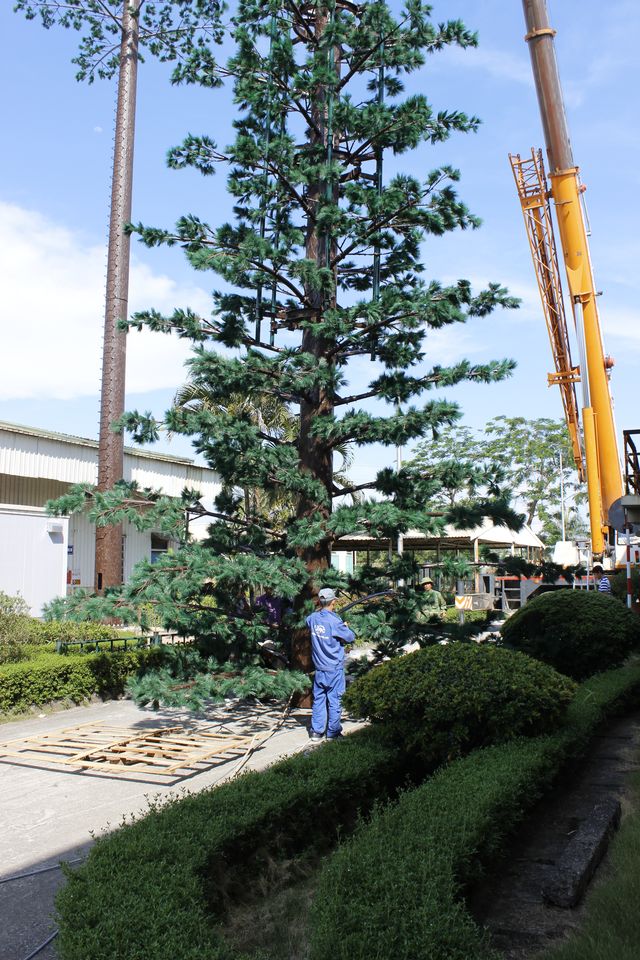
column 451, row 539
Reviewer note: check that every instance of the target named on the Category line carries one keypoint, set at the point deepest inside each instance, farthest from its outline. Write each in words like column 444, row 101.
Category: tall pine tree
column 321, row 267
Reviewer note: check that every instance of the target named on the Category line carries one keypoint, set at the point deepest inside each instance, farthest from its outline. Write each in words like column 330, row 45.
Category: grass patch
column 275, row 926
column 611, row 929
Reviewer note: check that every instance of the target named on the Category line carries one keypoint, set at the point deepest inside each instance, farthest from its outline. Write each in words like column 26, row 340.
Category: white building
column 42, row 557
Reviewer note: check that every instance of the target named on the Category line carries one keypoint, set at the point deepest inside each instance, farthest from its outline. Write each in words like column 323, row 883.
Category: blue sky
column 54, row 199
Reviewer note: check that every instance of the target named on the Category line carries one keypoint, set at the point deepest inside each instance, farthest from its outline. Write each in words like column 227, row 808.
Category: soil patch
column 510, row 903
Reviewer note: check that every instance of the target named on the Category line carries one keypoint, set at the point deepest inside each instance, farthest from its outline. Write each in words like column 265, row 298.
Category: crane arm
column 530, row 178
column 603, row 472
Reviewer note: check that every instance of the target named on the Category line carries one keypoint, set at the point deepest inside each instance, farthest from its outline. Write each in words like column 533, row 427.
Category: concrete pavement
column 50, row 814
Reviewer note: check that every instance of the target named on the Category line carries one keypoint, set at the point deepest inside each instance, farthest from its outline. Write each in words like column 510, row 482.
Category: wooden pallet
column 166, row 751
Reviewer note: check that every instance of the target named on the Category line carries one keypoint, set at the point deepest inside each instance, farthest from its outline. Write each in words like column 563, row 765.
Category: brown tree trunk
column 316, row 455
column 109, row 540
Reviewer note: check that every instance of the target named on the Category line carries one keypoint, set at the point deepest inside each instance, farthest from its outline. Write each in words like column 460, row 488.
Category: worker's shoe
column 335, row 736
column 316, row 736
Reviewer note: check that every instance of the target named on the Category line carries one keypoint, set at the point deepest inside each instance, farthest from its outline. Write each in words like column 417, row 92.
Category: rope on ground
column 253, row 746
column 32, row 873
column 45, row 943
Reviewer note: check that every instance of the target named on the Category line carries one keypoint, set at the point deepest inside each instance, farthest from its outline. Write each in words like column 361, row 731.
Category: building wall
column 81, row 560
column 82, row 545
column 33, row 559
column 68, row 460
column 36, row 466
column 29, row 491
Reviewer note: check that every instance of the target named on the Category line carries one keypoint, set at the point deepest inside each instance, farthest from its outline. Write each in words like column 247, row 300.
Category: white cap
column 327, row 594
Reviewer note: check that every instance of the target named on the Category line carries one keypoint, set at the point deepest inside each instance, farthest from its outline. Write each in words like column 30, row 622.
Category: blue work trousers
column 328, row 687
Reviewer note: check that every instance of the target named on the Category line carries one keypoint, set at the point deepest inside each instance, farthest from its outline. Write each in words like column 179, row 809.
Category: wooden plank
column 127, row 738
column 159, row 751
column 112, row 769
column 119, row 758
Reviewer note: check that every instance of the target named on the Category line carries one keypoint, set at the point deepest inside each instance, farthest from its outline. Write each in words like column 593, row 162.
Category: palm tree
column 272, row 417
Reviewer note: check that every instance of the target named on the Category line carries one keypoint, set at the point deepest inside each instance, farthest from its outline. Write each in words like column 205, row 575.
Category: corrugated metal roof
column 27, row 452
column 85, row 442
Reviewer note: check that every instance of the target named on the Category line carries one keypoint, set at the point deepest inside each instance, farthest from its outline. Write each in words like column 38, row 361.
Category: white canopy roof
column 487, row 532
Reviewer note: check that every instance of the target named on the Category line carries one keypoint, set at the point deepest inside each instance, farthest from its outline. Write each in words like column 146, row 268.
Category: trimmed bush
column 16, row 652
column 446, row 700
column 577, row 632
column 66, row 631
column 155, row 887
column 73, row 677
column 16, row 628
column 393, row 892
column 394, row 889
column 23, row 629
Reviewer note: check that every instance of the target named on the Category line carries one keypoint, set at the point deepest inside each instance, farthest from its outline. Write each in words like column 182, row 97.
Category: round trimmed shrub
column 577, row 632
column 447, row 700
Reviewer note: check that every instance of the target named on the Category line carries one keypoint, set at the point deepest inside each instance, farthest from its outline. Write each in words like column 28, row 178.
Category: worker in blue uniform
column 329, row 636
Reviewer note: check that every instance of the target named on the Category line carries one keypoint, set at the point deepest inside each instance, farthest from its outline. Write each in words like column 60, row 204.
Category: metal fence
column 116, row 644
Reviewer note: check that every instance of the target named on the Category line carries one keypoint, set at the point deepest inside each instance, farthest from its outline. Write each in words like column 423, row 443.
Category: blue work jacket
column 328, row 638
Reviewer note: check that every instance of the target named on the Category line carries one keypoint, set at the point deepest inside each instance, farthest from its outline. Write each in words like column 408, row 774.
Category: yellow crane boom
column 531, row 184
column 601, row 460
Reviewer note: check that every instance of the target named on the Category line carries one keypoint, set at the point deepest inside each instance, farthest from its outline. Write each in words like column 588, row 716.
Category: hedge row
column 394, row 889
column 186, row 859
column 73, row 677
column 20, row 628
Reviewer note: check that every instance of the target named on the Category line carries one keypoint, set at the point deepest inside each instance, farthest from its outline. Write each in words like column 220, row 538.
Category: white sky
column 54, row 181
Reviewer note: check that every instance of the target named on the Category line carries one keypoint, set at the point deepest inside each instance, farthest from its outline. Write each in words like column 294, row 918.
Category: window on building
column 159, row 546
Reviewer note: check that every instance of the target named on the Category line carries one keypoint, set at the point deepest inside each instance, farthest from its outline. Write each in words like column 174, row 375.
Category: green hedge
column 578, row 632
column 18, row 629
column 66, row 631
column 447, row 700
column 72, row 677
column 394, row 889
column 154, row 888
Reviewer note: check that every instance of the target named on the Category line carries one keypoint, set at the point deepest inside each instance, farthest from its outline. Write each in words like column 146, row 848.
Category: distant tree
column 576, row 526
column 322, row 270
column 522, row 455
column 530, row 453
column 455, row 457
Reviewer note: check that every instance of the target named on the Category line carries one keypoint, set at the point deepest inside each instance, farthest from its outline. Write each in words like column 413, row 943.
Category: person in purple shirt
column 272, row 608
column 329, row 636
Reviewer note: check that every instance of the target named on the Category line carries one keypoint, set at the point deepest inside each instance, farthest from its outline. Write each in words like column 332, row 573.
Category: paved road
column 50, row 814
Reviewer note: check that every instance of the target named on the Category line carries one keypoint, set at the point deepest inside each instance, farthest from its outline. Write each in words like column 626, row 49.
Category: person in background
column 604, row 584
column 277, row 648
column 329, row 636
column 272, row 608
column 433, row 603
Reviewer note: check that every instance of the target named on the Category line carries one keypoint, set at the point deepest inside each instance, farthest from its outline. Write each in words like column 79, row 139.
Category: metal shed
column 39, row 465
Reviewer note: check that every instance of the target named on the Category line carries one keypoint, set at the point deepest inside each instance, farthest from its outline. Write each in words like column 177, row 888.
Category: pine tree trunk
column 316, row 455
